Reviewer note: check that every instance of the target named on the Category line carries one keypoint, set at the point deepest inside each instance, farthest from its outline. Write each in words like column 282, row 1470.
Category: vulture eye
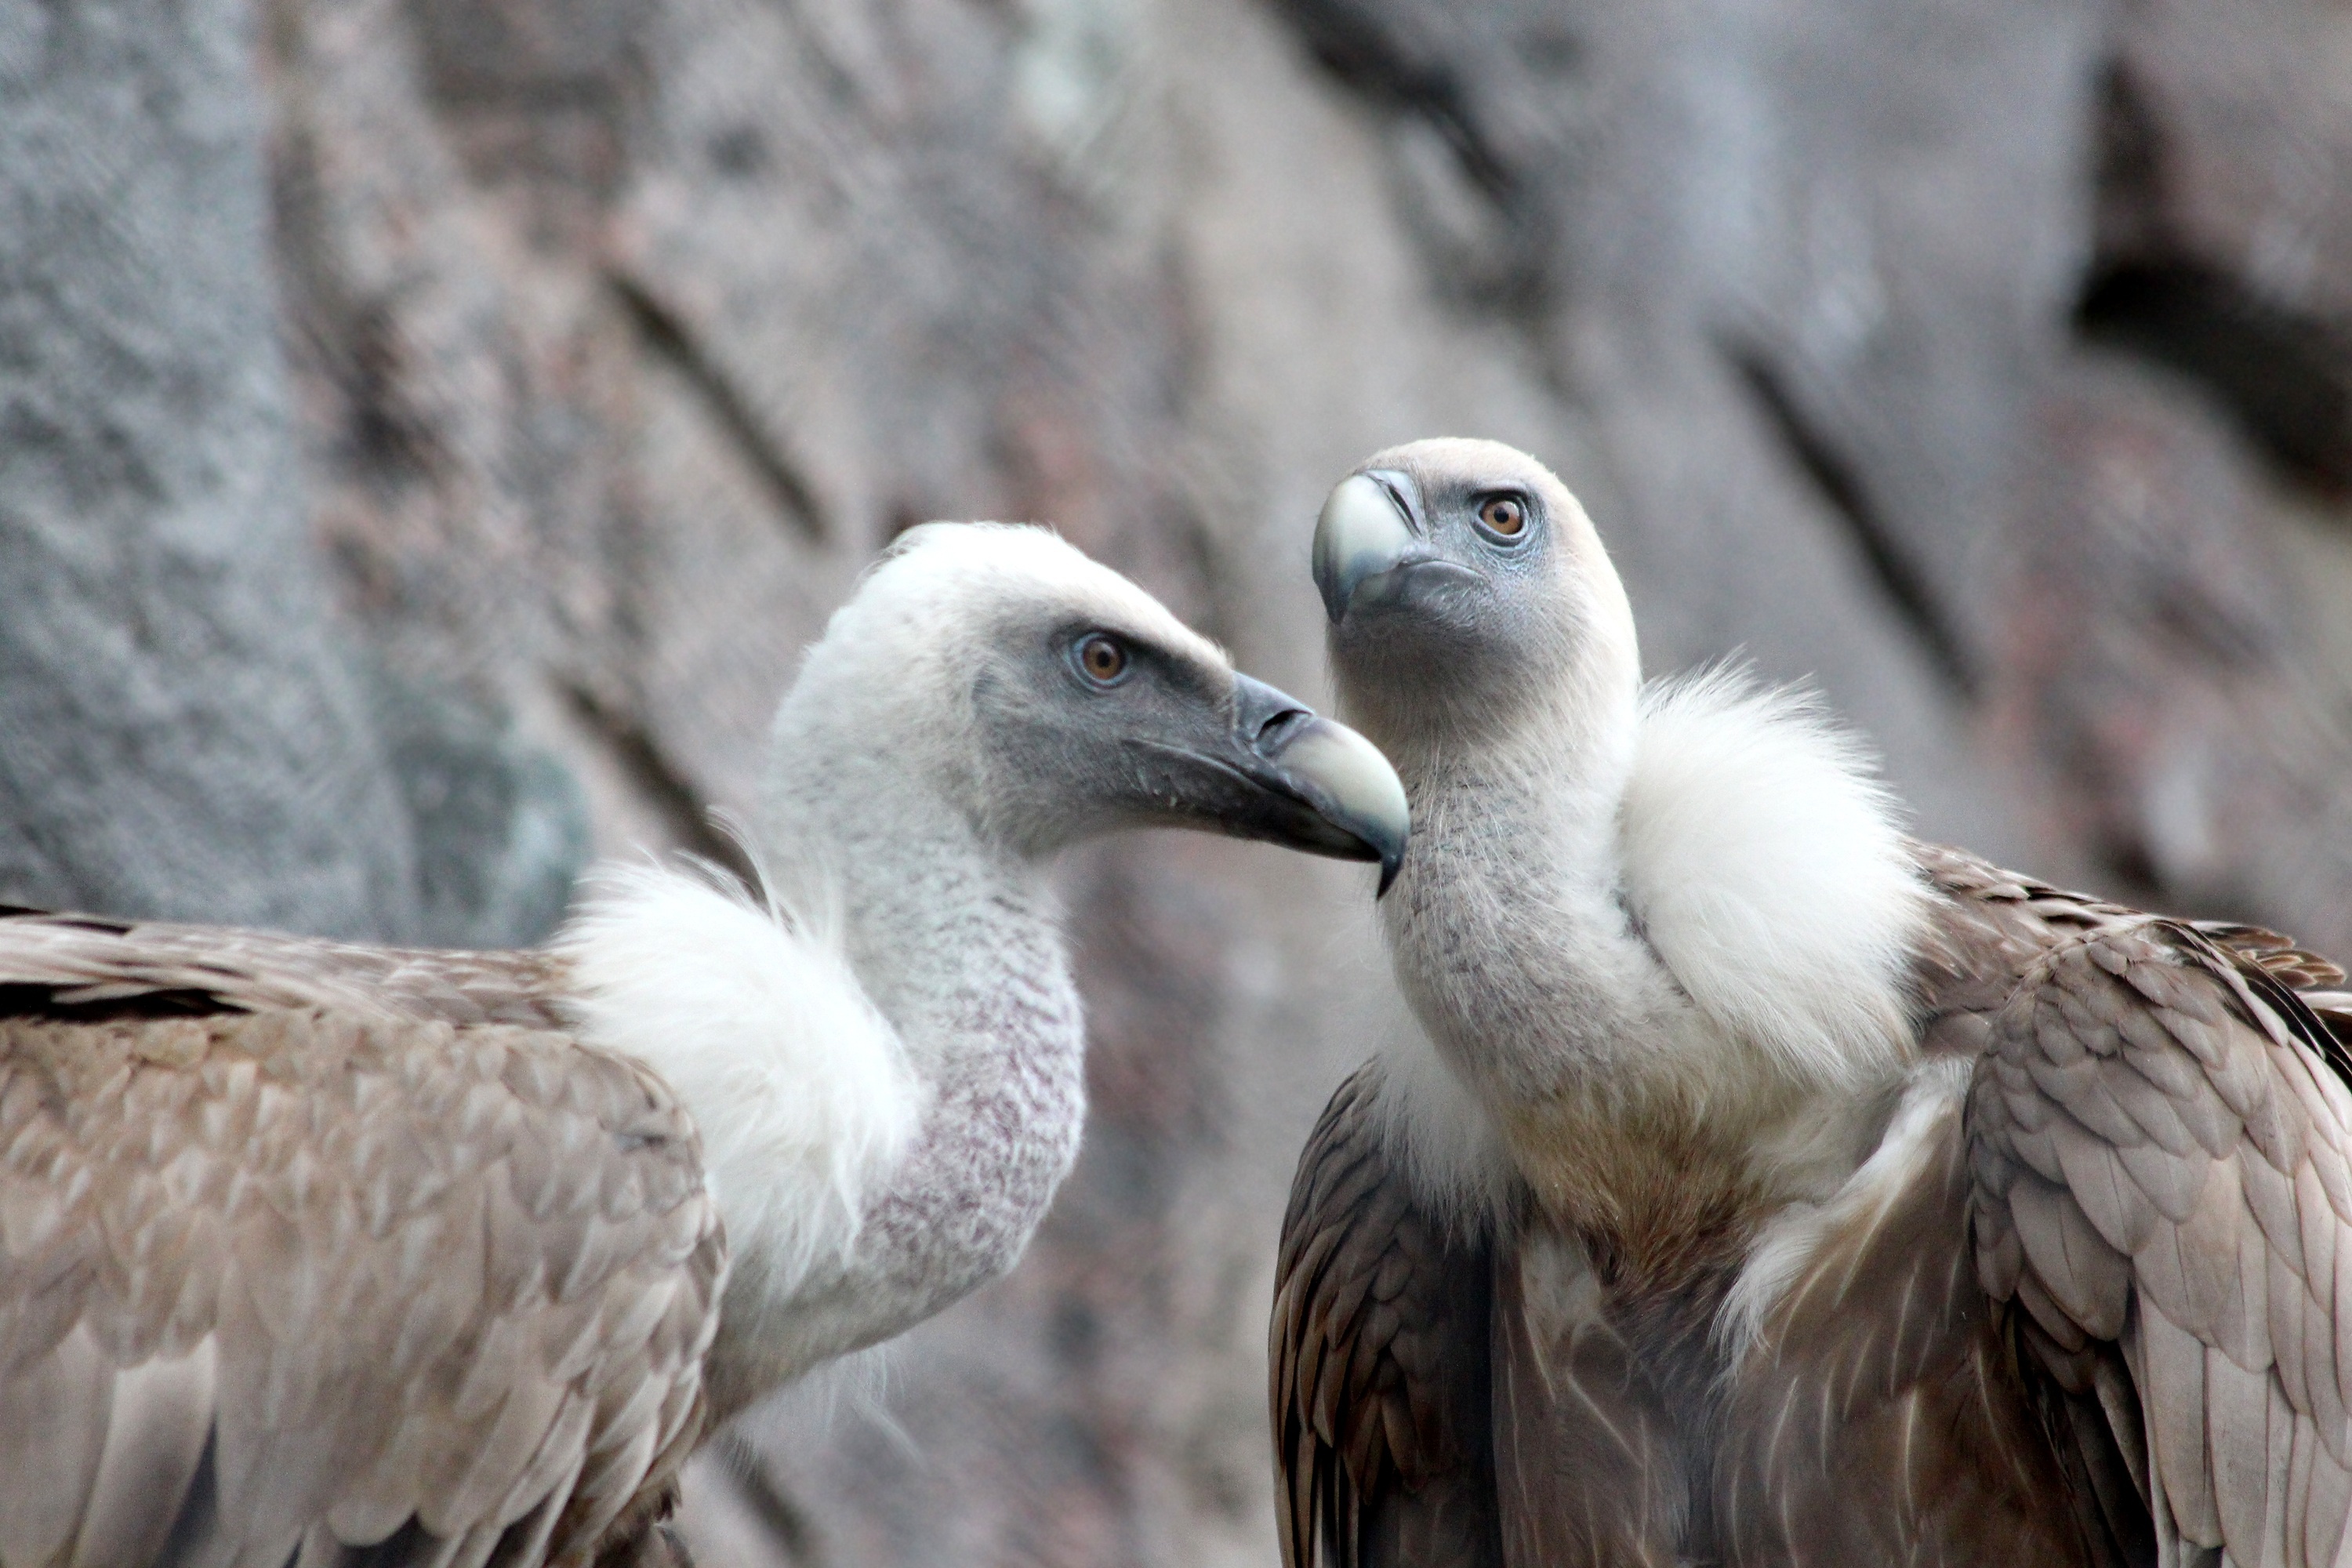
column 1102, row 658
column 1504, row 518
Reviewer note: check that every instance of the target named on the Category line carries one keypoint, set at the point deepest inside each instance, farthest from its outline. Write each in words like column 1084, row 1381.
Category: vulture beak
column 1285, row 774
column 1369, row 547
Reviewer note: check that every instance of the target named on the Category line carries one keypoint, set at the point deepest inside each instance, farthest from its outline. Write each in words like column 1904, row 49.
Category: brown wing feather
column 1888, row 1408
column 277, row 1277
column 2158, row 1154
column 1880, row 1417
column 1592, row 1458
column 1380, row 1365
column 87, row 963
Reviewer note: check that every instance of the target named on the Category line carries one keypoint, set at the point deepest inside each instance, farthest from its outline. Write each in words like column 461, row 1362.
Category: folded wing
column 1380, row 1363
column 306, row 1250
column 2157, row 1154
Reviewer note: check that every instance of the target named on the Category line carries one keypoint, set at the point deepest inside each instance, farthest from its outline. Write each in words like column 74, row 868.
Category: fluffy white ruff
column 801, row 1090
column 1433, row 1130
column 1785, row 1249
column 1763, row 860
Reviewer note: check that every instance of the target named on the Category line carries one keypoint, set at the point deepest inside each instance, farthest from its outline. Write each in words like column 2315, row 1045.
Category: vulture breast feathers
column 2061, row 1275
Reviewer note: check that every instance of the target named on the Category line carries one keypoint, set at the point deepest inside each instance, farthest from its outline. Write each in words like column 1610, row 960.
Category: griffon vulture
column 1766, row 1188
column 324, row 1254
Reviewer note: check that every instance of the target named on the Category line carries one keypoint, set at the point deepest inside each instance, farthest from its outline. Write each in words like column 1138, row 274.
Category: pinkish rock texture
column 432, row 426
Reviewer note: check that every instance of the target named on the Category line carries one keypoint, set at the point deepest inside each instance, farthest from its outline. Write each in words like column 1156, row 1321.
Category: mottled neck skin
column 1636, row 1120
column 1514, row 823
column 957, row 942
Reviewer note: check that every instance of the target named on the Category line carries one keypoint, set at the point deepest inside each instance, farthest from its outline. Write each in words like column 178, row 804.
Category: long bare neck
column 941, row 926
column 957, row 945
column 1507, row 924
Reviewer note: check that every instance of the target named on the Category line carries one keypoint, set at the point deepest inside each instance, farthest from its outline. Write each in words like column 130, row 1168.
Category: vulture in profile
column 1762, row 1187
column 323, row 1254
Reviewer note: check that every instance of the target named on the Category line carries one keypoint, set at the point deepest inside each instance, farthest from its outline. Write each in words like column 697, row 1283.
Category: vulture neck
column 951, row 937
column 1660, row 938
column 954, row 962
column 1516, row 859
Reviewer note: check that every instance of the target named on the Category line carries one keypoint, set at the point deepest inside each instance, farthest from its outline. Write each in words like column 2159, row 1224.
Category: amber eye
column 1102, row 658
column 1503, row 516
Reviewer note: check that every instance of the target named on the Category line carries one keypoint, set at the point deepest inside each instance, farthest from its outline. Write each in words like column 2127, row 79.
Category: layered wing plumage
column 52, row 964
column 319, row 1252
column 1878, row 1415
column 2081, row 1306
column 1875, row 1409
column 2159, row 1141
column 1380, row 1362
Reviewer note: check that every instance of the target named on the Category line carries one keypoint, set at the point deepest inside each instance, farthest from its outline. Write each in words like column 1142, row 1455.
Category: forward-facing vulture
column 1769, row 1188
column 323, row 1254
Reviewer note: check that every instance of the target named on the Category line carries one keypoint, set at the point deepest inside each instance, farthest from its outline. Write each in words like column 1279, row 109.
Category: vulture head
column 1047, row 700
column 1467, row 589
column 1693, row 895
column 988, row 698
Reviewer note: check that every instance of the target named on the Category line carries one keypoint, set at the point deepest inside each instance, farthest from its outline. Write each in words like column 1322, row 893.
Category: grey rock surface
column 428, row 429
column 185, row 728
column 180, row 732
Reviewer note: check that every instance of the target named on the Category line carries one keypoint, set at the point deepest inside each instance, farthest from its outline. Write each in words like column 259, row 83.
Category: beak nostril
column 1278, row 730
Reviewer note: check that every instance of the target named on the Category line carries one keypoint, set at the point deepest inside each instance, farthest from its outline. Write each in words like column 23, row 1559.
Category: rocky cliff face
column 429, row 427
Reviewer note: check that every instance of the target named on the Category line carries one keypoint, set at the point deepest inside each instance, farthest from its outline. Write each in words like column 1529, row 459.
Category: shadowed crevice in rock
column 2284, row 376
column 667, row 336
column 1498, row 88
column 2159, row 290
column 1379, row 63
column 1841, row 485
column 673, row 797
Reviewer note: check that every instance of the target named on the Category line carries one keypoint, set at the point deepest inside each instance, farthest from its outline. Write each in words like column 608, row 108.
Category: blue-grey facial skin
column 1426, row 595
column 1452, row 620
column 1169, row 740
column 1387, row 538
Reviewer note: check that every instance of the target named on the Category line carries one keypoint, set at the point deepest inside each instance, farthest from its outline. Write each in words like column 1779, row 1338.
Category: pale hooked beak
column 1288, row 775
column 1368, row 546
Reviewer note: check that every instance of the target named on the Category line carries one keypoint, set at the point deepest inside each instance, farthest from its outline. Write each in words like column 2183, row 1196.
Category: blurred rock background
column 428, row 429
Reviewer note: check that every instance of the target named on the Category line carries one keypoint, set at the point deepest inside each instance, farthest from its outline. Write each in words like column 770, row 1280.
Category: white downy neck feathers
column 1761, row 861
column 800, row 1088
